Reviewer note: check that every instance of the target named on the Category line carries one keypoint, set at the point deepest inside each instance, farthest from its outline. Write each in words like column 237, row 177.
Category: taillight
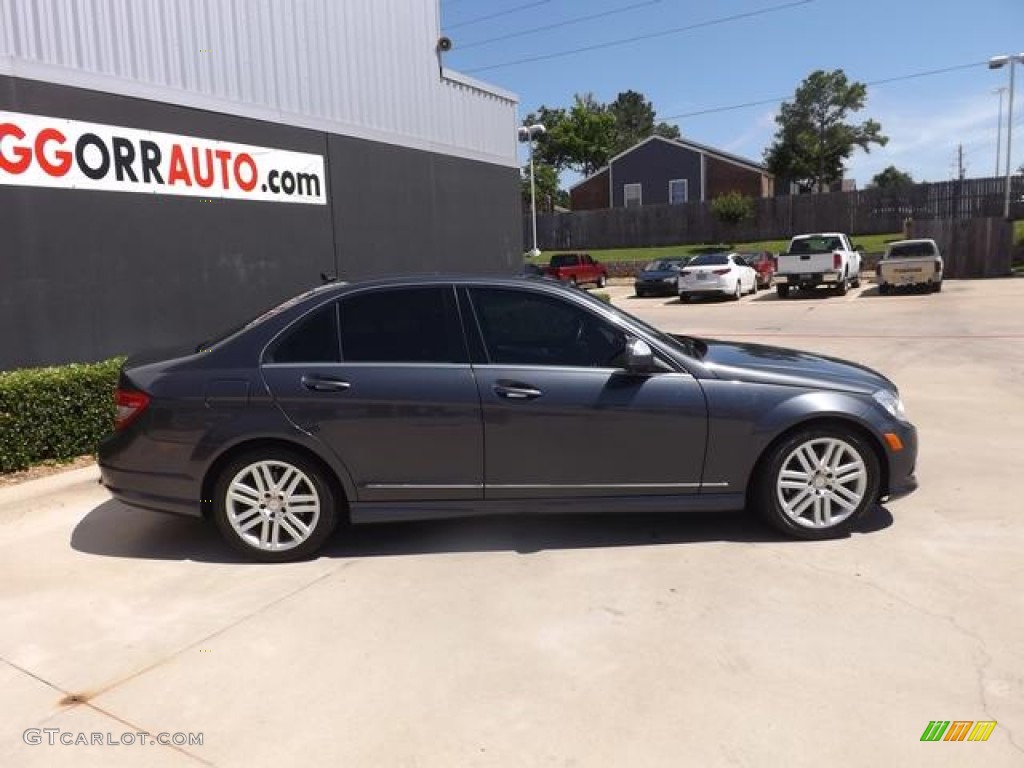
column 720, row 271
column 938, row 265
column 837, row 261
column 130, row 404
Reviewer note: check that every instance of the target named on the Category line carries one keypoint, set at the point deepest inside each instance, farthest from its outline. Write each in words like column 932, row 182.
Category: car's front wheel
column 816, row 483
column 602, row 281
column 274, row 505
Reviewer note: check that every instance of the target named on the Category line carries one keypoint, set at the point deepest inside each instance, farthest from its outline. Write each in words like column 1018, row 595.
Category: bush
column 732, row 208
column 602, row 295
column 55, row 413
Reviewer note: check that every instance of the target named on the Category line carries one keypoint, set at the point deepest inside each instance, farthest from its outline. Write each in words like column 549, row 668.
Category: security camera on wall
column 444, row 44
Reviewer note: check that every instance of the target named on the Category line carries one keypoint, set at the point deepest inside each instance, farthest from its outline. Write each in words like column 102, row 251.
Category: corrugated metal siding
column 364, row 68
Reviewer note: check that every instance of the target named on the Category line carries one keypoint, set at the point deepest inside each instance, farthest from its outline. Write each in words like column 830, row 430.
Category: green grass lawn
column 868, row 244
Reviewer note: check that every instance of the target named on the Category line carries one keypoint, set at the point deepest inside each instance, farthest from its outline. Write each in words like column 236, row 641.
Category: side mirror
column 639, row 357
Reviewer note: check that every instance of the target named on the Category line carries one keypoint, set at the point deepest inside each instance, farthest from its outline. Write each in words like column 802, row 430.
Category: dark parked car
column 440, row 397
column 763, row 263
column 659, row 277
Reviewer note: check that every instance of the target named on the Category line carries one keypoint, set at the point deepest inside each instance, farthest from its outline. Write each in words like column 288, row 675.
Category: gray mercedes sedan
column 430, row 397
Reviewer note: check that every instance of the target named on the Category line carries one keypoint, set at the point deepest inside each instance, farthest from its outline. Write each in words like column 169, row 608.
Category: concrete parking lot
column 699, row 640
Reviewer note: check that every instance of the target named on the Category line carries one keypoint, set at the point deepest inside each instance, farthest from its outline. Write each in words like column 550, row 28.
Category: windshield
column 710, row 260
column 911, row 250
column 661, row 265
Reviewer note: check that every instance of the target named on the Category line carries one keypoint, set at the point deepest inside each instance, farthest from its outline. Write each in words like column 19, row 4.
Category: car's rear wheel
column 739, row 290
column 602, row 281
column 936, row 287
column 782, row 291
column 843, row 286
column 274, row 505
column 816, row 483
column 684, row 298
column 883, row 289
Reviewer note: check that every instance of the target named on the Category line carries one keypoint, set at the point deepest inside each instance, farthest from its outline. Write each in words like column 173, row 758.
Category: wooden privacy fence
column 871, row 211
column 970, row 248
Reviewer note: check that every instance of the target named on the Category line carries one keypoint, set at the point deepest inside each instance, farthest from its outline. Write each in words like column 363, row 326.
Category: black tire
column 883, row 289
column 842, row 286
column 766, row 496
column 856, row 281
column 739, row 290
column 601, row 281
column 640, row 293
column 753, row 291
column 782, row 291
column 936, row 287
column 229, row 513
column 684, row 298
column 572, row 281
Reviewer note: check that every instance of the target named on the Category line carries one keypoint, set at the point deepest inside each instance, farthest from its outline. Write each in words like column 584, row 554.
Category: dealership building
column 171, row 167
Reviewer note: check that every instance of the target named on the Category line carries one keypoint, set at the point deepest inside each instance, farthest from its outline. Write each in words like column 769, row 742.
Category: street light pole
column 528, row 134
column 999, row 127
column 997, row 62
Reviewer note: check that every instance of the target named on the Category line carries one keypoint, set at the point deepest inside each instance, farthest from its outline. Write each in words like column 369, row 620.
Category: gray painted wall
column 86, row 275
column 654, row 164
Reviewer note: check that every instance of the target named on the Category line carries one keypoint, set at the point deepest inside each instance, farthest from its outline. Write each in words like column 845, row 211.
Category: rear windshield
column 660, row 265
column 815, row 245
column 911, row 250
column 564, row 259
column 709, row 260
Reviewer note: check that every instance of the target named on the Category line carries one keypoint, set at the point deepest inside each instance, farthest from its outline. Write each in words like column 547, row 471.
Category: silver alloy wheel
column 822, row 482
column 272, row 506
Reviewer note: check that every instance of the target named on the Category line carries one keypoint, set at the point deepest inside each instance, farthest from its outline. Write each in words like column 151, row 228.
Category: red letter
column 245, row 159
column 62, row 156
column 223, row 155
column 179, row 170
column 22, row 154
column 202, row 181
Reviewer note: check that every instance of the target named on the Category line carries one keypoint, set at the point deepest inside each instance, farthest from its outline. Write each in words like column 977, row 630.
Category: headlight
column 668, row 279
column 892, row 403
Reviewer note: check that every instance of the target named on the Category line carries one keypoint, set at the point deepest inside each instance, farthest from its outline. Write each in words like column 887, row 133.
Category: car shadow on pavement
column 115, row 530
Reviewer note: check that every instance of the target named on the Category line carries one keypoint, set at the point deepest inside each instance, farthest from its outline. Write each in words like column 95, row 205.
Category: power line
column 557, row 25
column 507, row 12
column 638, row 38
column 777, row 99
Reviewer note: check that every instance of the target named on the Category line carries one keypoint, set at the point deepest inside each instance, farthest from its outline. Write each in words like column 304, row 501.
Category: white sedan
column 724, row 274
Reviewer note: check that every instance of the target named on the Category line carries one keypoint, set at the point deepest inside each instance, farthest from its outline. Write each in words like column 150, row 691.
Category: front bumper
column 652, row 287
column 902, row 464
column 709, row 285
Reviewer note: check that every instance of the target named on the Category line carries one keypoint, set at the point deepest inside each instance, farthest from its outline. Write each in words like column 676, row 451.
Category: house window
column 633, row 195
column 678, row 191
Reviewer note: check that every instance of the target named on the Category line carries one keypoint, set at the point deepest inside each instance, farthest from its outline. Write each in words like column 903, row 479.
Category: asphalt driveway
column 583, row 641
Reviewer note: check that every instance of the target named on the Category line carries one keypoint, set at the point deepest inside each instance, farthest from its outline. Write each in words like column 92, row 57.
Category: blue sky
column 762, row 56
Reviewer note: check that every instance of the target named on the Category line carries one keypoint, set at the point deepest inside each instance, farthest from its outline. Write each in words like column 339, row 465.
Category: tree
column 584, row 137
column 546, row 182
column 892, row 178
column 635, row 121
column 814, row 139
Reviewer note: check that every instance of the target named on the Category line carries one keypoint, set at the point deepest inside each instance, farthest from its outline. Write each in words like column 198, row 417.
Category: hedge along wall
column 55, row 413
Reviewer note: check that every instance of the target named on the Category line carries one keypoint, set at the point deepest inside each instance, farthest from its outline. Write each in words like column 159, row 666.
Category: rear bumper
column 808, row 279
column 126, row 460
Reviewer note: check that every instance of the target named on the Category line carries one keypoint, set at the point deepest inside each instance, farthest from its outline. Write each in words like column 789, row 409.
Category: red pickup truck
column 577, row 268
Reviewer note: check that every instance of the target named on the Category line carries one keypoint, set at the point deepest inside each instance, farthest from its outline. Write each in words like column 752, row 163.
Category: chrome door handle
column 516, row 391
column 324, row 384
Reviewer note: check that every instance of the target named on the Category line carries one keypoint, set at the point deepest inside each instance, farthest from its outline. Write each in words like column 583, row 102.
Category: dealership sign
column 38, row 151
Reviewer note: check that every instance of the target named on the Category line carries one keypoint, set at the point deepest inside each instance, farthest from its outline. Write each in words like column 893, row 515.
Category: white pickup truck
column 825, row 258
column 910, row 263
